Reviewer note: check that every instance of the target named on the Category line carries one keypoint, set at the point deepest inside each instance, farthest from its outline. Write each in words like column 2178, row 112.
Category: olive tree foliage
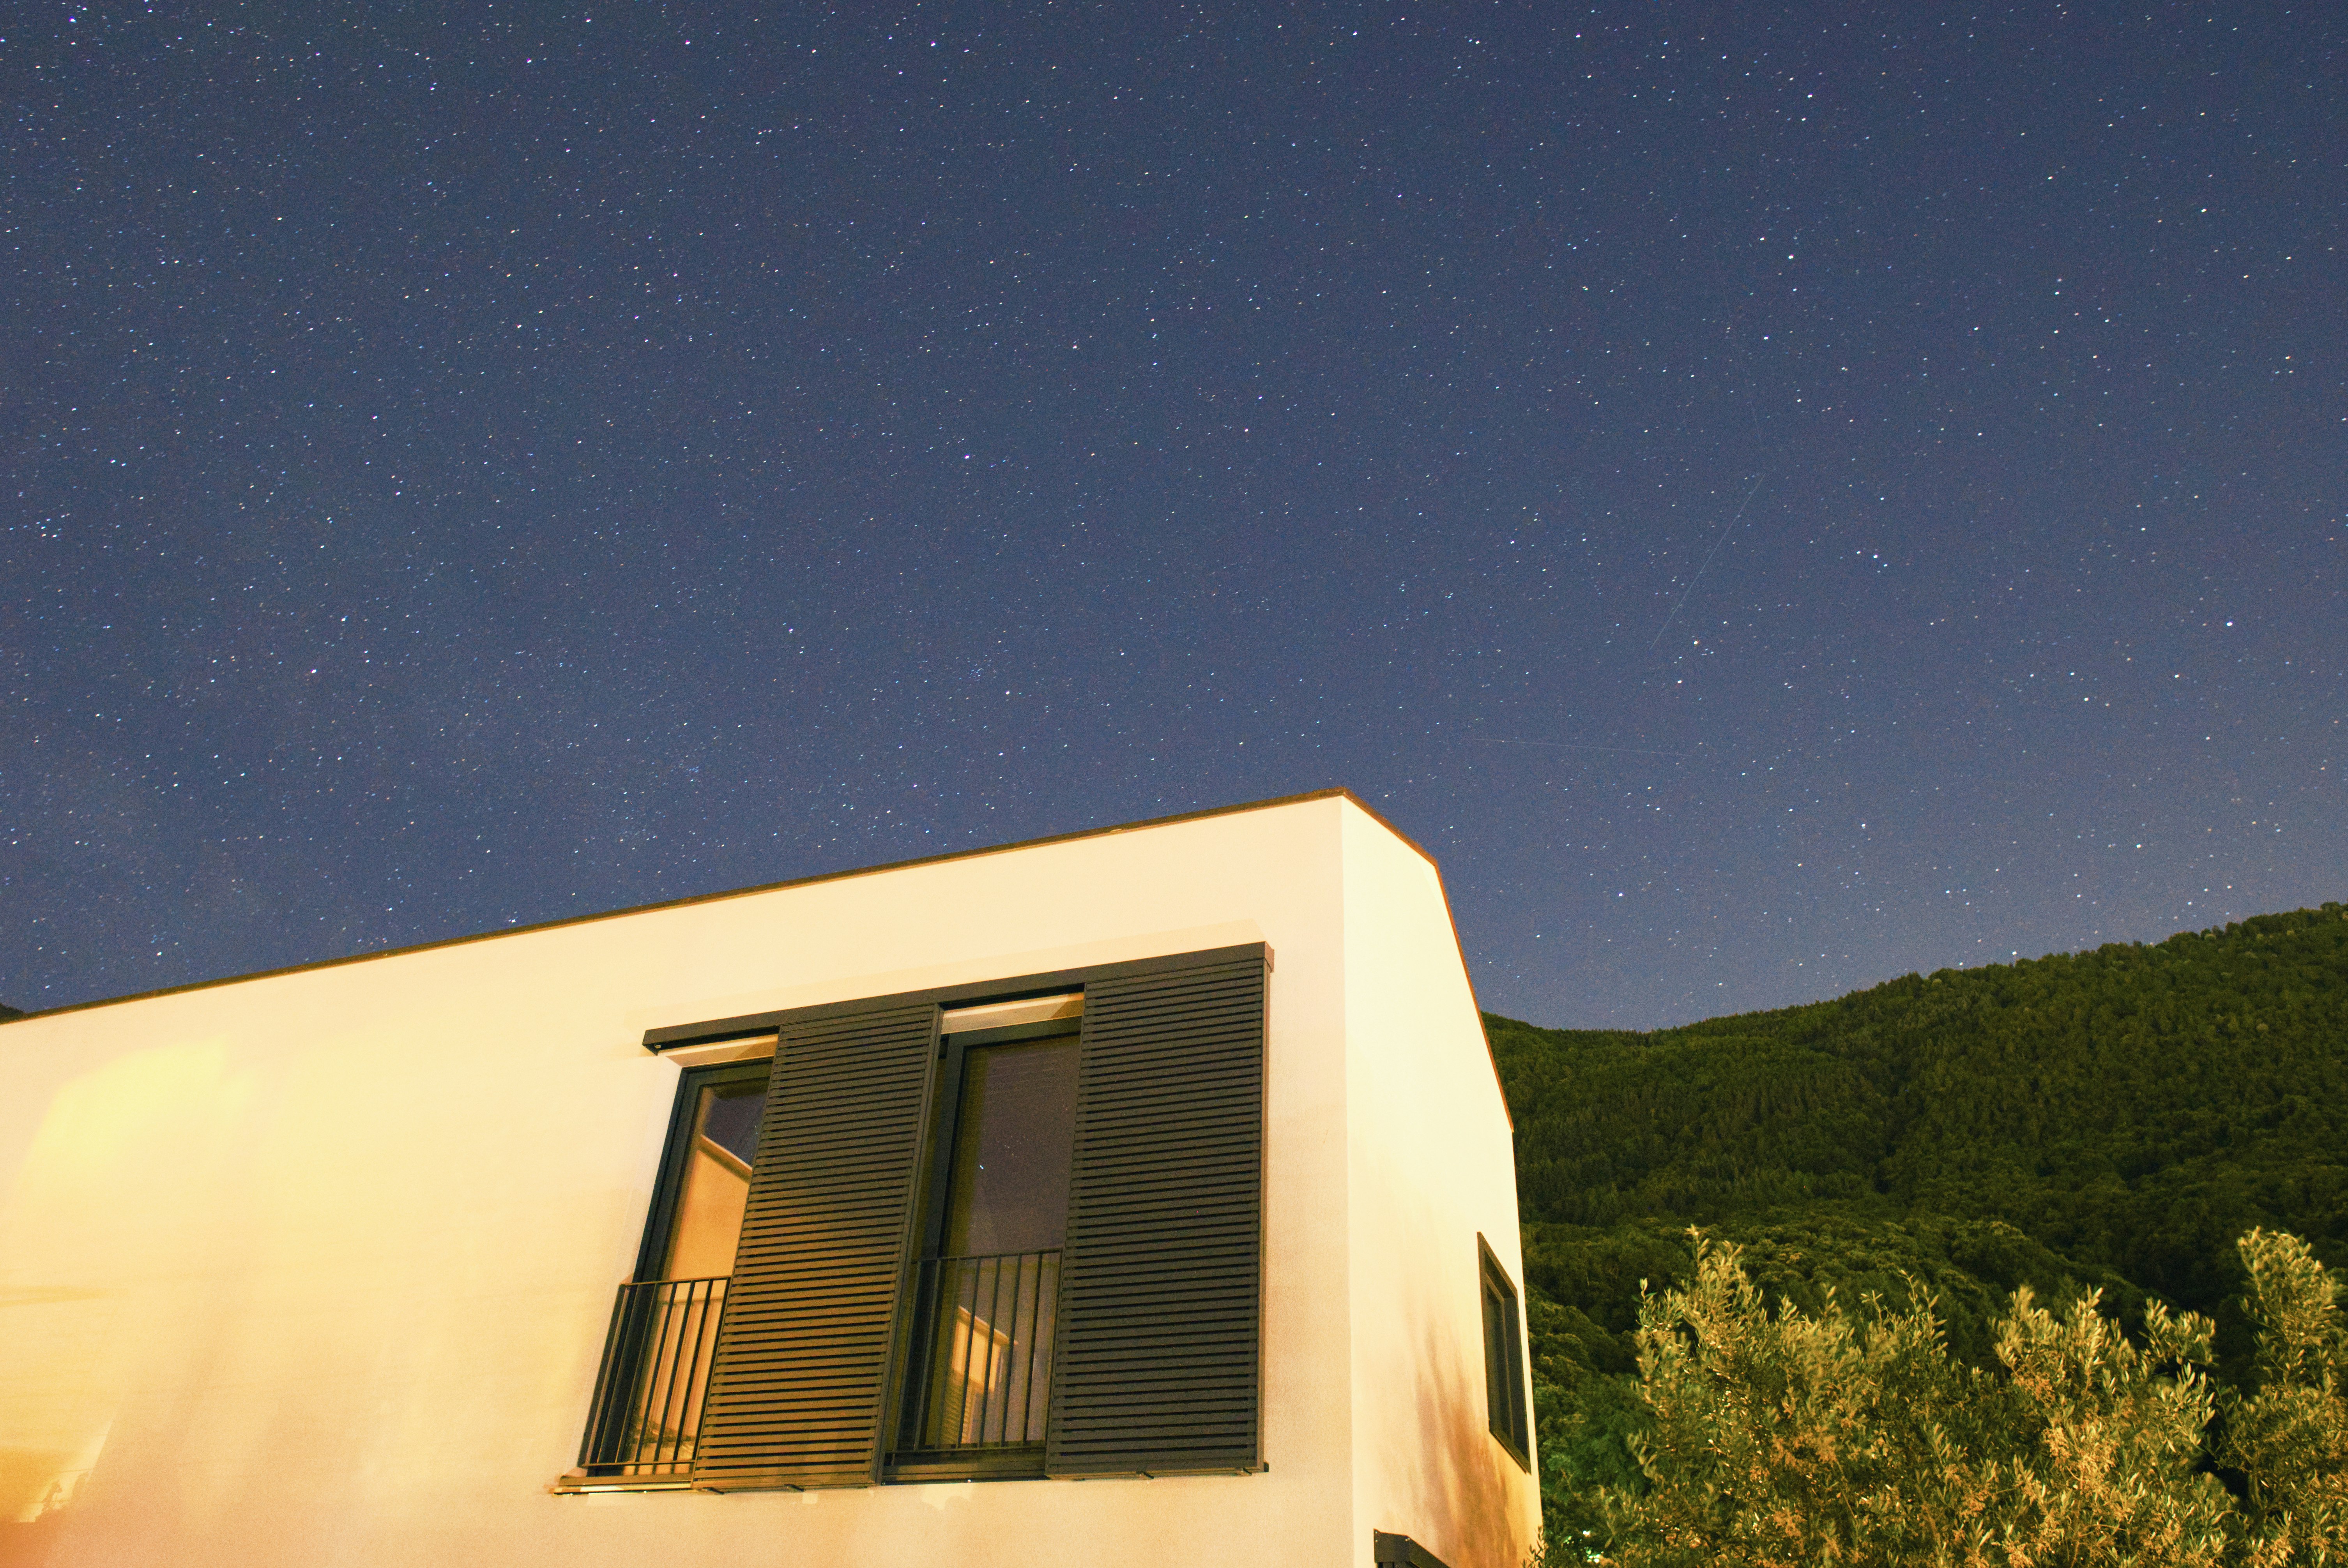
column 2098, row 1442
column 1852, row 1436
column 2289, row 1438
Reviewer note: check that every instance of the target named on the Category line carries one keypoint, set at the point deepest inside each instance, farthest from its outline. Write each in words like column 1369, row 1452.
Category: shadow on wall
column 1460, row 1500
column 41, row 1485
column 26, row 1543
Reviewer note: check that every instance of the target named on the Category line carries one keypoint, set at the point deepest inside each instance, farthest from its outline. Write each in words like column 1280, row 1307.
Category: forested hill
column 2112, row 1118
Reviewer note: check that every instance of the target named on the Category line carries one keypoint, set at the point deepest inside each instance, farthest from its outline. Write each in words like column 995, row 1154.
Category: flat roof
column 1338, row 794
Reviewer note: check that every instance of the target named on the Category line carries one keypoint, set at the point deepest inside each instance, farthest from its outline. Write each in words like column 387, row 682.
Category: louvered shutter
column 1156, row 1370
column 802, row 1363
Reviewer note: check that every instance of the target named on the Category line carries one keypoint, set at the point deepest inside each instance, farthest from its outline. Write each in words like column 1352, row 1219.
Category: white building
column 1166, row 1159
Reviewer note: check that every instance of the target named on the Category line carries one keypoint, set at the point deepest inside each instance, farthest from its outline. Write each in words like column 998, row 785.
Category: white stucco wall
column 1432, row 1167
column 314, row 1268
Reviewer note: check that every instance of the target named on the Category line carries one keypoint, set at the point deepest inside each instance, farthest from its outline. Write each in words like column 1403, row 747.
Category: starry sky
column 1772, row 497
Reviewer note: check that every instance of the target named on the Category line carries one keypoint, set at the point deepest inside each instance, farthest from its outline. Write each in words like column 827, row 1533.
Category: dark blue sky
column 1772, row 497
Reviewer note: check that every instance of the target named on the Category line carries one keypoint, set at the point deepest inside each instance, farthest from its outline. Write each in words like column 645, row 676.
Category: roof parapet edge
column 1335, row 793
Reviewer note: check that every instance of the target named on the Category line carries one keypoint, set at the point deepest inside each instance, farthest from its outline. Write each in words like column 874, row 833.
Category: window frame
column 676, row 1153
column 1510, row 1426
column 900, row 1462
column 628, row 1354
column 1234, row 1433
column 946, row 1113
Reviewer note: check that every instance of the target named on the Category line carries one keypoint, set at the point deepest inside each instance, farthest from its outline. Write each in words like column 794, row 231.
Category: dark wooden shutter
column 802, row 1365
column 1156, row 1370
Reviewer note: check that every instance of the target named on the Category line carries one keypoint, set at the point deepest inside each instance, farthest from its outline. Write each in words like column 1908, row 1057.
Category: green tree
column 1852, row 1435
column 2289, row 1438
column 2097, row 1442
column 2111, row 1120
column 1793, row 1437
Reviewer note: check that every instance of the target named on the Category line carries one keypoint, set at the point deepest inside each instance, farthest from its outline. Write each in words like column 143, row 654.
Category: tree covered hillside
column 2111, row 1119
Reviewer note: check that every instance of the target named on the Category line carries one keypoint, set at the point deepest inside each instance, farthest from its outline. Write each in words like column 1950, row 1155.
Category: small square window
column 1504, row 1359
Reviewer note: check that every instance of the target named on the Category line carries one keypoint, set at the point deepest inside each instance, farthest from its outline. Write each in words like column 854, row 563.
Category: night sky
column 1772, row 497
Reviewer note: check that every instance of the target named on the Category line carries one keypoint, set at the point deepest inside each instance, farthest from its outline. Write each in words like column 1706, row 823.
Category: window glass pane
column 716, row 1185
column 1496, row 1356
column 1014, row 1139
column 729, row 1117
column 1504, row 1362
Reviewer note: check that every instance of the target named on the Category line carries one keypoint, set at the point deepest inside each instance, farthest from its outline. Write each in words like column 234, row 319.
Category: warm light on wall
column 99, row 1244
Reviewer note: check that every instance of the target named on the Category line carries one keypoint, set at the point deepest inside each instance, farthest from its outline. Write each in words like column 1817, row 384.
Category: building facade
column 1136, row 1196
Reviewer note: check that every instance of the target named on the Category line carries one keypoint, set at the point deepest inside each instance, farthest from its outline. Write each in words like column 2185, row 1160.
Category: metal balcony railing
column 986, row 1355
column 656, row 1373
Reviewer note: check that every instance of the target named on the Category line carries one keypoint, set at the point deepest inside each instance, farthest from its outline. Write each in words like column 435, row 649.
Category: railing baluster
column 649, row 1389
column 660, row 1395
column 1047, row 1306
column 678, row 1309
column 984, row 1327
column 1023, row 1340
column 985, row 1324
column 704, row 1344
column 990, row 1428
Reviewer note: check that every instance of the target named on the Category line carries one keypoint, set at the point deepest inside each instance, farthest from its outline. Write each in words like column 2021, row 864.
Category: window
column 1504, row 1359
column 696, row 1220
column 987, row 1288
column 664, row 1336
column 991, row 1232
